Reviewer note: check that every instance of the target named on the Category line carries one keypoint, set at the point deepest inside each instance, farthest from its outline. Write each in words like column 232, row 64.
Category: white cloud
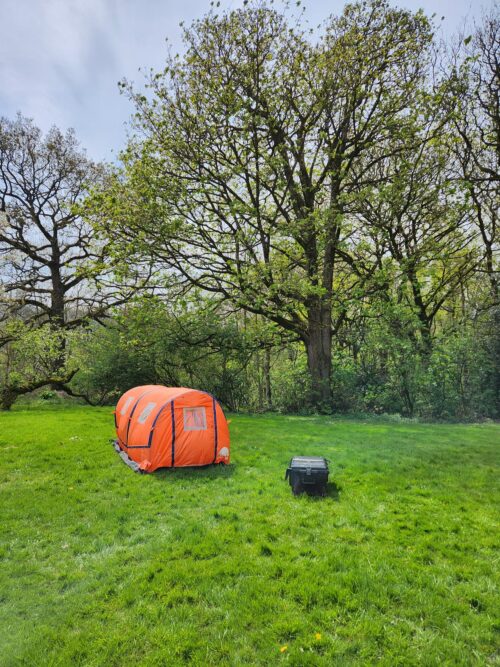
column 60, row 60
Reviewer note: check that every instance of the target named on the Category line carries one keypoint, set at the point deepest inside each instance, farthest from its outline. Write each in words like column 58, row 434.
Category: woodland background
column 301, row 222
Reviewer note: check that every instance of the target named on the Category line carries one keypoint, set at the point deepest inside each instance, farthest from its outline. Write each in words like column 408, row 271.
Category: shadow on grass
column 213, row 471
column 332, row 491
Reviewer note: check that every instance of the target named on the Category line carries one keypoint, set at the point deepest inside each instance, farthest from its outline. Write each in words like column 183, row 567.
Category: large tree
column 249, row 147
column 477, row 153
column 53, row 271
column 477, row 126
column 416, row 218
column 51, row 265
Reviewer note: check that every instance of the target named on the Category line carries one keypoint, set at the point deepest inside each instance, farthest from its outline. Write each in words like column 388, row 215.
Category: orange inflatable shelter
column 170, row 427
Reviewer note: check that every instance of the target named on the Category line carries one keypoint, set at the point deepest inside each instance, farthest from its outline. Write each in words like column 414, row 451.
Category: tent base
column 125, row 458
column 136, row 468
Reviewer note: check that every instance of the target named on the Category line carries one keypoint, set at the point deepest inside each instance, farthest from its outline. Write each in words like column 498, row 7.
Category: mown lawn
column 101, row 566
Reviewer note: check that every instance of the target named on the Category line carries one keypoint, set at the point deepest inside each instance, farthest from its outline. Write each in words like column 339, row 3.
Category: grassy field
column 101, row 566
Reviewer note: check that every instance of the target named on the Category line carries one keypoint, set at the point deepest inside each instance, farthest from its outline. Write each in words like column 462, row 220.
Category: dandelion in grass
column 317, row 635
column 283, row 649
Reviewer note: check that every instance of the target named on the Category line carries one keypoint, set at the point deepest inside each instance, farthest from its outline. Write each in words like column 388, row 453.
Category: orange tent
column 171, row 427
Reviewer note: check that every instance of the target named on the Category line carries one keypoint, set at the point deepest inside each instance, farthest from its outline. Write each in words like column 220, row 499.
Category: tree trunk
column 496, row 326
column 267, row 379
column 319, row 355
column 10, row 393
column 496, row 357
column 423, row 317
column 319, row 312
column 8, row 397
column 57, row 318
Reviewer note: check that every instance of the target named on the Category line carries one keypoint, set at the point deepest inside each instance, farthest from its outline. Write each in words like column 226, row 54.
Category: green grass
column 101, row 566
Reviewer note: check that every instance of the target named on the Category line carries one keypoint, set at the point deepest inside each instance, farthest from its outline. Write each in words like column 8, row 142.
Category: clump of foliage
column 191, row 343
column 30, row 360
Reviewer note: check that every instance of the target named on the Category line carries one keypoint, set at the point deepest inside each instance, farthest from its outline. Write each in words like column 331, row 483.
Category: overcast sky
column 60, row 60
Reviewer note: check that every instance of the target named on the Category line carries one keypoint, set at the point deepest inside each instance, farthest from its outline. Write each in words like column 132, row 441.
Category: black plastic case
column 309, row 474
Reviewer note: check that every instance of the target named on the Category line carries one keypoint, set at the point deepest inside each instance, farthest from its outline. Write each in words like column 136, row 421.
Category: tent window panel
column 146, row 412
column 127, row 405
column 195, row 419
